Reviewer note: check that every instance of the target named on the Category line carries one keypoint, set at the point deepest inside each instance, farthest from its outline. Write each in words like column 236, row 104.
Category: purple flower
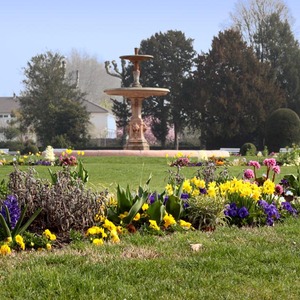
column 284, row 182
column 185, row 204
column 243, row 212
column 184, row 196
column 231, row 210
column 248, row 174
column 152, row 198
column 203, row 191
column 288, row 207
column 270, row 210
column 12, row 205
column 165, row 200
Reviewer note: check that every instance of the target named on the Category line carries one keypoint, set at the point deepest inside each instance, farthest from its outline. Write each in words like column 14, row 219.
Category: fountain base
column 137, row 145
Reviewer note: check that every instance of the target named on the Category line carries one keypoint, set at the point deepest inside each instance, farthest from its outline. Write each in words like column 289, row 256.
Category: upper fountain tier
column 136, row 90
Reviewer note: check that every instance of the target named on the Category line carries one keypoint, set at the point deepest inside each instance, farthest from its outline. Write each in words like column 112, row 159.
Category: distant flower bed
column 48, row 158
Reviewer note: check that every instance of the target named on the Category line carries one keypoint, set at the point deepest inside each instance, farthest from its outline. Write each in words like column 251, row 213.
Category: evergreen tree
column 235, row 93
column 51, row 103
column 172, row 63
column 282, row 51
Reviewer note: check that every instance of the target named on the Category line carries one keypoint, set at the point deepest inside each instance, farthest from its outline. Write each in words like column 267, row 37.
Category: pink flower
column 255, row 164
column 248, row 174
column 276, row 169
column 278, row 189
column 269, row 162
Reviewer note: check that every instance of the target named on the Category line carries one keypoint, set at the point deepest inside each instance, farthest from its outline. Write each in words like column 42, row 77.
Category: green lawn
column 257, row 263
column 232, row 263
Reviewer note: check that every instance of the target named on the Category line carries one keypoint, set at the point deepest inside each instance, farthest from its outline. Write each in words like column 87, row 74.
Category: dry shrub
column 66, row 204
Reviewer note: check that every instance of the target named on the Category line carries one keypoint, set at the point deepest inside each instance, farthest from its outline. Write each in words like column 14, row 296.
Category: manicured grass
column 248, row 263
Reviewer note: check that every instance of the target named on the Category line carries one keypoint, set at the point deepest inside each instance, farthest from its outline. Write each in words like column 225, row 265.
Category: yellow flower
column 184, row 224
column 169, row 220
column 49, row 235
column 94, row 230
column 122, row 216
column 211, row 191
column 195, row 193
column 137, row 217
column 69, row 151
column 52, row 237
column 268, row 187
column 5, row 249
column 114, row 236
column 98, row 242
column 153, row 225
column 109, row 225
column 22, row 246
column 8, row 240
column 169, row 189
column 167, row 155
column 145, row 206
column 186, row 186
column 199, row 183
column 19, row 239
column 178, row 155
column 48, row 246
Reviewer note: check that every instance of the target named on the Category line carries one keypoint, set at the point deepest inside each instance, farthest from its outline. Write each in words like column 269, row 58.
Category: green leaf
column 5, row 226
column 174, row 207
column 31, row 219
column 156, row 211
column 113, row 216
column 134, row 210
column 7, row 217
column 82, row 172
column 53, row 176
column 18, row 229
column 124, row 199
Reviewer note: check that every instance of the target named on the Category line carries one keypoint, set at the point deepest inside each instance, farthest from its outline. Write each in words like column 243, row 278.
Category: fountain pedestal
column 136, row 94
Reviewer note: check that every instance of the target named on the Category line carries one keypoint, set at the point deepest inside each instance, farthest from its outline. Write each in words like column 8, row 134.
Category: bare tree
column 91, row 76
column 249, row 15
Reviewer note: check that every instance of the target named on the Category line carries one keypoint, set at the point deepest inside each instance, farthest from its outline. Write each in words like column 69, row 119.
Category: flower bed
column 66, row 207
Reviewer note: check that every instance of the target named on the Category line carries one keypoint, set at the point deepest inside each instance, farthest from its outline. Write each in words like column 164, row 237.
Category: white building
column 102, row 122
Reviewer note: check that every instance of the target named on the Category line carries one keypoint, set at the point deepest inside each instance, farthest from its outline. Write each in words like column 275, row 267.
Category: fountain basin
column 137, row 92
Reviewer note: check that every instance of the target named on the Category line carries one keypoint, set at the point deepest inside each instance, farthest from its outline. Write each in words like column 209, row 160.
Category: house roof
column 94, row 108
column 8, row 104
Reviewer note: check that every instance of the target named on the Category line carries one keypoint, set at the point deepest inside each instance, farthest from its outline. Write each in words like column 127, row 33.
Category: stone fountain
column 136, row 94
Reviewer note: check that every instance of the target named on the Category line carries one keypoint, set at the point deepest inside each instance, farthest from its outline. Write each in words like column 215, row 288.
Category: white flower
column 202, row 155
column 49, row 154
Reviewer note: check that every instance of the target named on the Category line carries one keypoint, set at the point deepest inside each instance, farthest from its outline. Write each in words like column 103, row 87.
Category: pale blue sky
column 106, row 29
